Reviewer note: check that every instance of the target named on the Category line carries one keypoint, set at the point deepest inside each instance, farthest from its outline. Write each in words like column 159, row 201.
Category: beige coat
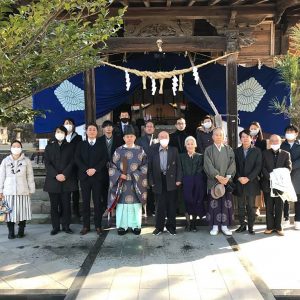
column 16, row 176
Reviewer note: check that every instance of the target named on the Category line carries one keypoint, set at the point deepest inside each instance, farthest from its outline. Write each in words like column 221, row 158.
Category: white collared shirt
column 219, row 147
column 92, row 141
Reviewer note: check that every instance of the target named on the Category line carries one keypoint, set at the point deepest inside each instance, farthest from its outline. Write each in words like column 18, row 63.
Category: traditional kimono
column 193, row 183
column 134, row 191
column 219, row 162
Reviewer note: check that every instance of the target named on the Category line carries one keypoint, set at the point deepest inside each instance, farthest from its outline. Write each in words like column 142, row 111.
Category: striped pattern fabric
column 21, row 208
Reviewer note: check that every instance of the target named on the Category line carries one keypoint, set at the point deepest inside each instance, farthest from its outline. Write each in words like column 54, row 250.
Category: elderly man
column 165, row 175
column 219, row 166
column 274, row 158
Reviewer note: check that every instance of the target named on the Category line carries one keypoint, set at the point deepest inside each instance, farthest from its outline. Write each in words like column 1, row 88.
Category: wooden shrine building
column 254, row 30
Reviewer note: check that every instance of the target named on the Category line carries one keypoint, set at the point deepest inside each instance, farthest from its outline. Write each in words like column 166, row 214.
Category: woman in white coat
column 16, row 185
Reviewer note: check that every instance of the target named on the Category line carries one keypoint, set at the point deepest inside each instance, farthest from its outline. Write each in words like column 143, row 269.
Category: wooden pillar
column 90, row 96
column 231, row 100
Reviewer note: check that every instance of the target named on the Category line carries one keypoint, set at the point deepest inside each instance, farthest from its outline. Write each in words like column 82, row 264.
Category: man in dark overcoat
column 291, row 145
column 165, row 176
column 248, row 161
column 273, row 158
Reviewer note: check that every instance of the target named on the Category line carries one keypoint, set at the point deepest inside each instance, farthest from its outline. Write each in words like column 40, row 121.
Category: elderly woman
column 193, row 184
column 16, row 185
column 219, row 166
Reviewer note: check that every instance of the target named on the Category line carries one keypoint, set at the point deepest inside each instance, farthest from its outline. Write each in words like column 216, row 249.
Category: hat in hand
column 217, row 191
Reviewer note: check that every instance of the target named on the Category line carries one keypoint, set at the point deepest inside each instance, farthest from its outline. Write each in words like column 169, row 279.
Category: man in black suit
column 165, row 175
column 91, row 159
column 110, row 142
column 248, row 167
column 146, row 142
column 291, row 145
column 178, row 137
column 124, row 122
column 274, row 158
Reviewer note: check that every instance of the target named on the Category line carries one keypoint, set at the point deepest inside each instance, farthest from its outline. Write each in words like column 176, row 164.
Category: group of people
column 128, row 173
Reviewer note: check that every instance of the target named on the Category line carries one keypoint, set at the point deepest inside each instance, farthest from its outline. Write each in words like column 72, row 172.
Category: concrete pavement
column 188, row 265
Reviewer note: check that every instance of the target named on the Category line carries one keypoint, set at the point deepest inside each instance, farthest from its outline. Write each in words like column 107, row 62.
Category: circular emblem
column 214, row 204
column 219, row 217
column 129, row 199
column 128, row 154
column 144, row 169
column 224, row 218
column 228, row 204
column 116, row 157
column 141, row 156
column 145, row 183
column 111, row 172
column 133, row 166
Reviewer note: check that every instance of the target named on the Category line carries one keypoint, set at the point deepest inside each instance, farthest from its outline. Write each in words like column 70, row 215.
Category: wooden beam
column 147, row 3
column 231, row 100
column 259, row 1
column 90, row 96
column 213, row 2
column 124, row 2
column 235, row 2
column 170, row 44
column 194, row 12
column 282, row 6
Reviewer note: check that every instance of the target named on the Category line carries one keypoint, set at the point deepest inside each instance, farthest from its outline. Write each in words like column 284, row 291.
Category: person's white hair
column 190, row 138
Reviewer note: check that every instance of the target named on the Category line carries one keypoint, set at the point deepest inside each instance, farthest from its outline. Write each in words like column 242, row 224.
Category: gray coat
column 173, row 174
column 218, row 163
column 249, row 167
column 295, row 157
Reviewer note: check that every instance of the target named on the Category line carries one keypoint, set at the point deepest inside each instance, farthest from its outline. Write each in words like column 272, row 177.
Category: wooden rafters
column 170, row 44
column 259, row 1
column 195, row 12
column 236, row 2
column 282, row 6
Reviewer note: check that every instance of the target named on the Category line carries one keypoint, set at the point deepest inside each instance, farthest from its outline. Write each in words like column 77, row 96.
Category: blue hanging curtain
column 256, row 89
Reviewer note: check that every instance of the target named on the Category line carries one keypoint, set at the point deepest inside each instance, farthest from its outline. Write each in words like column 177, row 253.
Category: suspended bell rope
column 218, row 117
column 163, row 75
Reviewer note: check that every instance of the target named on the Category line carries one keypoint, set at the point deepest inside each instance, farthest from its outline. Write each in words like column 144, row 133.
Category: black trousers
column 93, row 187
column 165, row 206
column 62, row 200
column 286, row 209
column 274, row 210
column 247, row 203
column 297, row 209
column 150, row 202
column 75, row 199
column 104, row 192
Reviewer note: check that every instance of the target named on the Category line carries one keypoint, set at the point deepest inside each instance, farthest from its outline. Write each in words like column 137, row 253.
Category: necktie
column 92, row 143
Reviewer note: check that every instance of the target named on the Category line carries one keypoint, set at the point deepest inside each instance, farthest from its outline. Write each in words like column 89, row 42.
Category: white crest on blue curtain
column 127, row 78
column 249, row 94
column 70, row 96
column 174, row 85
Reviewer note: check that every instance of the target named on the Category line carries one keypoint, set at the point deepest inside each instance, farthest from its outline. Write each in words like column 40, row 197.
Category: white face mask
column 290, row 136
column 60, row 136
column 164, row 142
column 254, row 132
column 15, row 150
column 275, row 147
column 69, row 127
column 207, row 125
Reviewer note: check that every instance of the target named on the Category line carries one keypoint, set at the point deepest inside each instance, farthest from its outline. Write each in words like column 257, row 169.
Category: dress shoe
column 280, row 232
column 122, row 231
column 54, row 231
column 67, row 230
column 242, row 228
column 157, row 231
column 268, row 231
column 251, row 231
column 136, row 231
column 84, row 230
column 99, row 231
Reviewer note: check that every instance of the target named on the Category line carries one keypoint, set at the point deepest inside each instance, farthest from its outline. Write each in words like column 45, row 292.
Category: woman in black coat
column 73, row 138
column 60, row 179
